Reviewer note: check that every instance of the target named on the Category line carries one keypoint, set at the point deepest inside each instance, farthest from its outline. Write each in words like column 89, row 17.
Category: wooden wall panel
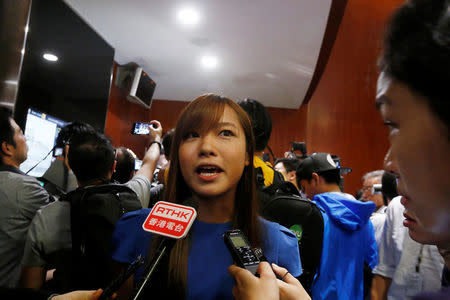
column 289, row 125
column 341, row 117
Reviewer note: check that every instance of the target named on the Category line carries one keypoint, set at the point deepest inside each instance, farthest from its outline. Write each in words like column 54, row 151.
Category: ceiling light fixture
column 188, row 16
column 209, row 62
column 50, row 57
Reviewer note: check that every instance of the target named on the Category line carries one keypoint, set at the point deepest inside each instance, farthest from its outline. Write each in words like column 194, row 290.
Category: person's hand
column 290, row 288
column 155, row 133
column 80, row 295
column 249, row 287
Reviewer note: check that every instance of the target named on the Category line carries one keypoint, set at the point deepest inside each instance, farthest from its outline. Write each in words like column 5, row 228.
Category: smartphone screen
column 141, row 128
column 137, row 164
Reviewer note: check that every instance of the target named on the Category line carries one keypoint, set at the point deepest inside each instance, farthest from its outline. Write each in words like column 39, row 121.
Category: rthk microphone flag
column 170, row 219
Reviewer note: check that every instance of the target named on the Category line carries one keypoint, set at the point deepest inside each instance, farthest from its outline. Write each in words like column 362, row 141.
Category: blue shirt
column 209, row 258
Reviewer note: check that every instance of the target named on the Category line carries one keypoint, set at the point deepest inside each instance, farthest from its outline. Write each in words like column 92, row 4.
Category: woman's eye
column 190, row 135
column 226, row 132
column 391, row 125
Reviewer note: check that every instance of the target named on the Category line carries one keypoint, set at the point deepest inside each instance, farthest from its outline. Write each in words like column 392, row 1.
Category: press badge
column 413, row 284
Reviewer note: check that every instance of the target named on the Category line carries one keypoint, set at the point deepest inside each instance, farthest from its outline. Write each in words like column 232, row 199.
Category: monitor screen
column 41, row 131
column 75, row 85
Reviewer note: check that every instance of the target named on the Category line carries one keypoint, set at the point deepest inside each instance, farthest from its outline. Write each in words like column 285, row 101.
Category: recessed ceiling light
column 50, row 57
column 188, row 16
column 209, row 62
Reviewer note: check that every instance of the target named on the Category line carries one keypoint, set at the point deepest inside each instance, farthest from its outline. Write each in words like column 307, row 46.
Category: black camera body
column 298, row 146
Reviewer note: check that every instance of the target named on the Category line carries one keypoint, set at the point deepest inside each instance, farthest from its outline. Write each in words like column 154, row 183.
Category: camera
column 297, row 146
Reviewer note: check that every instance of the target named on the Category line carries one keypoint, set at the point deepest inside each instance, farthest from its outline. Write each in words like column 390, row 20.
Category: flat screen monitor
column 41, row 131
column 67, row 67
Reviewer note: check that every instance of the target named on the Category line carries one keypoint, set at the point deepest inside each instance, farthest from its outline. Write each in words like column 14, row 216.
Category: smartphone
column 243, row 254
column 137, row 164
column 142, row 128
column 109, row 291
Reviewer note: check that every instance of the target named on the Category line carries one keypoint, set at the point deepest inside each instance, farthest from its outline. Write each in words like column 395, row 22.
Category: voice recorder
column 243, row 254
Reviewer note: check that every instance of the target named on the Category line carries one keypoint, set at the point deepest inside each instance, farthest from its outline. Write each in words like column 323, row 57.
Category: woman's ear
column 247, row 160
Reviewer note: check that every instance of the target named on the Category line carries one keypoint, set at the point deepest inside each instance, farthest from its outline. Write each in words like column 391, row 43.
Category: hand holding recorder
column 251, row 265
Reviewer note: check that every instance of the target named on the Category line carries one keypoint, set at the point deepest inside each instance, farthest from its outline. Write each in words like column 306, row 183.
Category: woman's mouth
column 208, row 172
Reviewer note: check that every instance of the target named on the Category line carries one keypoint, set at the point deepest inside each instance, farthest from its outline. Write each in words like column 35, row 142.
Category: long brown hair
column 202, row 114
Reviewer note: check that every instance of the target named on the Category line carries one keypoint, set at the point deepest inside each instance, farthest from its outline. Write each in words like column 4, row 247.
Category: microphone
column 172, row 221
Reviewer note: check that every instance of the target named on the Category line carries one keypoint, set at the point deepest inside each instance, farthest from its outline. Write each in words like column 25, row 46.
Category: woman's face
column 212, row 162
column 419, row 154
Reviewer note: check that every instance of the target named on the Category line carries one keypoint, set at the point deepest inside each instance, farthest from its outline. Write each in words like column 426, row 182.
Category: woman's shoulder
column 280, row 246
column 273, row 229
column 133, row 218
column 129, row 239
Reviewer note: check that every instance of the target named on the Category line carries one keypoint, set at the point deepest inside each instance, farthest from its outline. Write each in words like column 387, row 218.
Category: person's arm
column 380, row 287
column 152, row 155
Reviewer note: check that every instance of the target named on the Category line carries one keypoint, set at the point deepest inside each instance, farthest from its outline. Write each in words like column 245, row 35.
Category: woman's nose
column 207, row 145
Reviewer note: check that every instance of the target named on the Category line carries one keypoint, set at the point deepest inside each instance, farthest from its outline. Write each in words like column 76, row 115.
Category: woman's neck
column 215, row 210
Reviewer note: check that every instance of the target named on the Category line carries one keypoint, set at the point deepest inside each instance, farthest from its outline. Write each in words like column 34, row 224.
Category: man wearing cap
column 348, row 237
